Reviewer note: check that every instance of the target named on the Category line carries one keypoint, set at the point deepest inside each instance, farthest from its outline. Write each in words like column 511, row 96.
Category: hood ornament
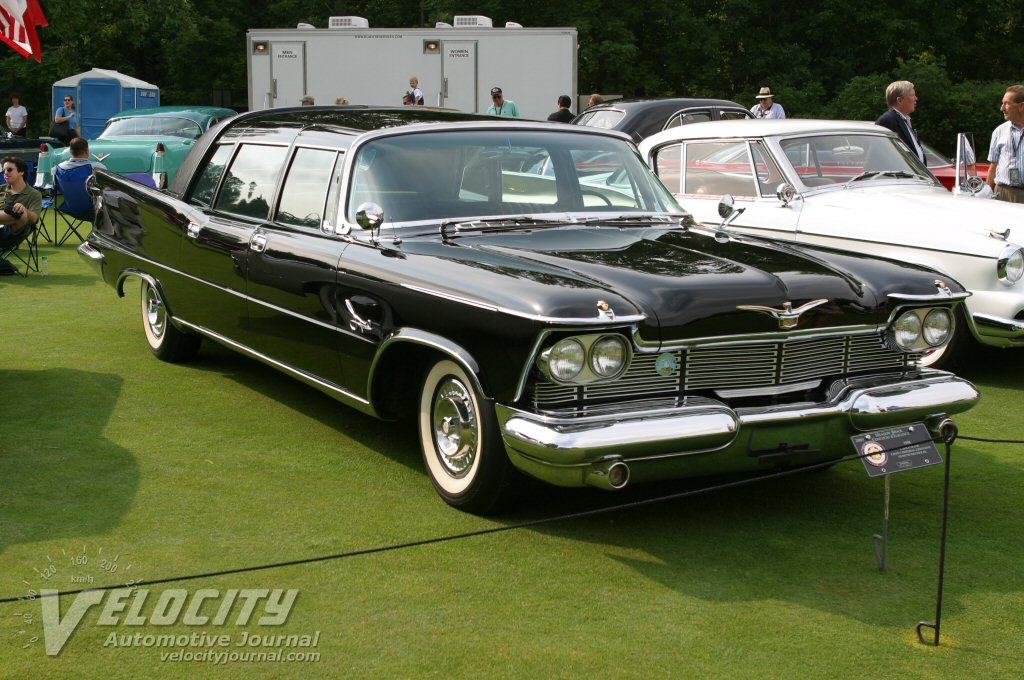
column 787, row 316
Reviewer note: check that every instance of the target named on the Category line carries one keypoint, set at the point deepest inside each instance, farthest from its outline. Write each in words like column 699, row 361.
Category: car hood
column 931, row 217
column 686, row 283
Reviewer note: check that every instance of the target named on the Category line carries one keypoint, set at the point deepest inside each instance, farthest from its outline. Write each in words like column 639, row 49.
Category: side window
column 249, row 185
column 717, row 168
column 305, row 188
column 666, row 167
column 688, row 116
column 768, row 174
column 202, row 194
column 732, row 114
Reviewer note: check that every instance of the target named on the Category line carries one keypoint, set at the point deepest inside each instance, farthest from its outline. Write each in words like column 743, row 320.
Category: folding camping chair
column 77, row 208
column 24, row 248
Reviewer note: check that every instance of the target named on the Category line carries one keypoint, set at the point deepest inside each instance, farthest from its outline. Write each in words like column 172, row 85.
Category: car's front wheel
column 462, row 448
column 165, row 341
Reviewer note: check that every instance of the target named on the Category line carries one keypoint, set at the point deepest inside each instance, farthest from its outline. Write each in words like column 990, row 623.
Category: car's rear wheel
column 165, row 341
column 462, row 448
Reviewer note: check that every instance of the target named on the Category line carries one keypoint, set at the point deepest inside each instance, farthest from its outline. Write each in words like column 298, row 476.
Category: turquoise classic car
column 145, row 143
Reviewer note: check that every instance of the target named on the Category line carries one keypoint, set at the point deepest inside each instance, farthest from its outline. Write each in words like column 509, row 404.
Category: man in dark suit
column 902, row 100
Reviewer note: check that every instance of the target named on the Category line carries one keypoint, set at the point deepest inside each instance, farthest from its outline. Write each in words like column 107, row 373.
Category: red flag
column 19, row 21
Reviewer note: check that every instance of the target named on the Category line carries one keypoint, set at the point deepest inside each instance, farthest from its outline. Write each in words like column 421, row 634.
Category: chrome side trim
column 325, row 386
column 137, row 272
column 907, row 297
column 994, row 326
column 595, row 320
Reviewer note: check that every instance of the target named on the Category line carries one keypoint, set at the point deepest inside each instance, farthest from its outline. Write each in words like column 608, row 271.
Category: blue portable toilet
column 100, row 94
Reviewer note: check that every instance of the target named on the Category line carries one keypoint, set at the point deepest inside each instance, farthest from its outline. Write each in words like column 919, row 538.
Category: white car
column 853, row 186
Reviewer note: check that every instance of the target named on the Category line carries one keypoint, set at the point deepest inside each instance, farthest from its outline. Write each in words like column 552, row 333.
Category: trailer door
column 287, row 73
column 459, row 75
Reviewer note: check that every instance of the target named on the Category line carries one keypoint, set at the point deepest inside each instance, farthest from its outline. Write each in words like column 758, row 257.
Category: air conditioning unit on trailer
column 347, row 22
column 472, row 21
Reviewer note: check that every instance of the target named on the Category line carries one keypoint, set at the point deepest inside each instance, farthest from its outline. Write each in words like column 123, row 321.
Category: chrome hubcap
column 155, row 313
column 456, row 427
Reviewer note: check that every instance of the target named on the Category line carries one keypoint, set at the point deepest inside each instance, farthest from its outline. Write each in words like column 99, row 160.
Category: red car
column 944, row 168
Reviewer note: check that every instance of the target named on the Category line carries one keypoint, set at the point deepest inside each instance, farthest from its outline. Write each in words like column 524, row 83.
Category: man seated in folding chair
column 21, row 206
column 69, row 179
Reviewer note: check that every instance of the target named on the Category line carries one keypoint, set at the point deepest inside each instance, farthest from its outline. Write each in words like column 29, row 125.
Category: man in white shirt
column 1006, row 153
column 766, row 106
column 17, row 116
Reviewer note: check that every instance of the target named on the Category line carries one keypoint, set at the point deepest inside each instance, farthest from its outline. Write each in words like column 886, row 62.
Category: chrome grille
column 733, row 367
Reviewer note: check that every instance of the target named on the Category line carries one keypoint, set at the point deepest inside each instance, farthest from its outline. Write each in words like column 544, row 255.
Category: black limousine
column 529, row 294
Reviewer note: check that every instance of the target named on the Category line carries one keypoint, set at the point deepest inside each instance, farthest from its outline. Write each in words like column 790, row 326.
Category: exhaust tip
column 608, row 475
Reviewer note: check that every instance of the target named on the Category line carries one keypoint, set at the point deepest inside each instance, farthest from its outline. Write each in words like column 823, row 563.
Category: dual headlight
column 1010, row 265
column 923, row 329
column 585, row 358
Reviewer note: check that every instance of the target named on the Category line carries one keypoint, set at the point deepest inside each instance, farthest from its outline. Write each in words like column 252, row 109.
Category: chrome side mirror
column 785, row 193
column 369, row 216
column 726, row 206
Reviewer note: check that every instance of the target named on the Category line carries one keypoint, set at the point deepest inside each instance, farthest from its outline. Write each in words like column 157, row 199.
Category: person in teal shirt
column 502, row 106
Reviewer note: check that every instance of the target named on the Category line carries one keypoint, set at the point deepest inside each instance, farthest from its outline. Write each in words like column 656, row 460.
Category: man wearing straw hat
column 766, row 106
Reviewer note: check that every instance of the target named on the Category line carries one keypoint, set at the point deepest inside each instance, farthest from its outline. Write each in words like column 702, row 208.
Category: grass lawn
column 138, row 469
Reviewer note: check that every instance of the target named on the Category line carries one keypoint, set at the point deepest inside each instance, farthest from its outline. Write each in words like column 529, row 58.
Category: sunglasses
column 7, row 170
column 68, row 99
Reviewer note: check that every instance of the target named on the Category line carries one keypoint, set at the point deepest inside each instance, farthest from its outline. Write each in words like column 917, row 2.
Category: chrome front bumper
column 708, row 437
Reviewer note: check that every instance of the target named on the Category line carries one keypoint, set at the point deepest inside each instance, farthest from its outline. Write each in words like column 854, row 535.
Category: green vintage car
column 151, row 141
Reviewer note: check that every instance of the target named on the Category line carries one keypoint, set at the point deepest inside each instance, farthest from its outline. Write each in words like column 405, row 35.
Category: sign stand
column 948, row 431
column 880, row 542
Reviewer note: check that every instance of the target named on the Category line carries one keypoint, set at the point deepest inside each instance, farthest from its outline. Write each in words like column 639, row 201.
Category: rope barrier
column 479, row 532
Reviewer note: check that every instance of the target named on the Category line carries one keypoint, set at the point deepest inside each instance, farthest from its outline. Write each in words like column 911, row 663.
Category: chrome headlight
column 566, row 359
column 907, row 330
column 608, row 356
column 938, row 325
column 1010, row 265
column 583, row 359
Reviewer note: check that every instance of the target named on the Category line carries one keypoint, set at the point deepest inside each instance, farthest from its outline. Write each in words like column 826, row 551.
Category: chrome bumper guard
column 989, row 326
column 568, row 450
column 93, row 256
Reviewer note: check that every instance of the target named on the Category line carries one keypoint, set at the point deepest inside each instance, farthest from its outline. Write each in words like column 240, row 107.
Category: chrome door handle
column 193, row 230
column 258, row 243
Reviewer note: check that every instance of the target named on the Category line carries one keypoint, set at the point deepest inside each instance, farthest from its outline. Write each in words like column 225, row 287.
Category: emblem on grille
column 101, row 156
column 787, row 316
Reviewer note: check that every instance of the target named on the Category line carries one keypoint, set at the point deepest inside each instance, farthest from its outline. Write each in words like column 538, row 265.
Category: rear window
column 603, row 118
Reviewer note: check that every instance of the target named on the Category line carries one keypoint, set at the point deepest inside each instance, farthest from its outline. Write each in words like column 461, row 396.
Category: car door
column 700, row 172
column 292, row 269
column 231, row 199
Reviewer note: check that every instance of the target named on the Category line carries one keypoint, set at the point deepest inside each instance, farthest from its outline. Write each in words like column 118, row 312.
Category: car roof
column 663, row 103
column 339, row 126
column 191, row 112
column 762, row 128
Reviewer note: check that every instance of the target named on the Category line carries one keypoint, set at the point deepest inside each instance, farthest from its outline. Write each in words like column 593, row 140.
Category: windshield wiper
column 900, row 174
column 507, row 223
column 628, row 219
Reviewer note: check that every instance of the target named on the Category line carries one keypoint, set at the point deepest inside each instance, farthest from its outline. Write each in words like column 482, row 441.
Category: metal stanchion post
column 948, row 431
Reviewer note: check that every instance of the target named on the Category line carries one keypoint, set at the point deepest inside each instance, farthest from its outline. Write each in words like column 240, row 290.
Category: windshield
column 151, row 126
column 466, row 174
column 836, row 159
column 602, row 118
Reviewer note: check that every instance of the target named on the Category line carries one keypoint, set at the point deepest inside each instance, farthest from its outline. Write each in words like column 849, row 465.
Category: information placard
column 896, row 449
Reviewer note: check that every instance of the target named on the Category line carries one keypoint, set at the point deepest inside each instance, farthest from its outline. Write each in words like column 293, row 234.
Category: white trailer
column 456, row 65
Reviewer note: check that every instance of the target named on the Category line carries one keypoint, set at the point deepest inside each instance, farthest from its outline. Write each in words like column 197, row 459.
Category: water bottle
column 44, row 266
